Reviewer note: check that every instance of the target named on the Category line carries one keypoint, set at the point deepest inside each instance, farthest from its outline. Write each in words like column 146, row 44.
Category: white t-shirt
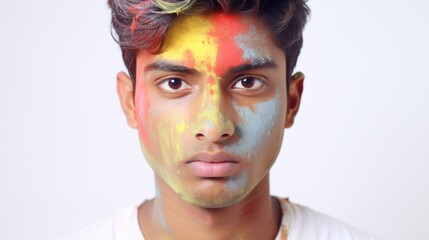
column 298, row 223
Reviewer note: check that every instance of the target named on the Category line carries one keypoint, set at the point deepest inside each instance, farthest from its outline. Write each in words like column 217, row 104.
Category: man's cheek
column 170, row 131
column 141, row 113
column 255, row 126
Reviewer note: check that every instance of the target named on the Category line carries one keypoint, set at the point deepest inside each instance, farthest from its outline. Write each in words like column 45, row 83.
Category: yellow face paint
column 191, row 41
column 180, row 127
column 189, row 37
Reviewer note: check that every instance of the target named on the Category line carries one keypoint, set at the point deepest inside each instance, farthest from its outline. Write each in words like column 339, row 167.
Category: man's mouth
column 217, row 165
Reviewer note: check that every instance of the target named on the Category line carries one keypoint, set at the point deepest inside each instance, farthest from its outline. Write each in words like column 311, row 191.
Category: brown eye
column 249, row 83
column 174, row 85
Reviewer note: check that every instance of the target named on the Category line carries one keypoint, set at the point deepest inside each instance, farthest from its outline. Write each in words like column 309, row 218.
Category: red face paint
column 142, row 101
column 229, row 54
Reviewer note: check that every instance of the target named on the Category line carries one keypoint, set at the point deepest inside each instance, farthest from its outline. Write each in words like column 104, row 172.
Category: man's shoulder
column 121, row 225
column 302, row 222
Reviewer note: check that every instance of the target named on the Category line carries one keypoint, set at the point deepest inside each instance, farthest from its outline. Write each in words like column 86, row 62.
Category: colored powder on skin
column 168, row 178
column 211, row 81
column 230, row 54
column 194, row 41
column 157, row 192
column 171, row 181
column 164, row 223
column 180, row 126
column 141, row 111
column 237, row 183
column 210, row 118
column 255, row 126
column 164, row 151
column 188, row 41
column 152, row 160
column 209, row 124
column 159, row 210
column 198, row 48
column 170, row 141
column 214, row 86
column 246, row 41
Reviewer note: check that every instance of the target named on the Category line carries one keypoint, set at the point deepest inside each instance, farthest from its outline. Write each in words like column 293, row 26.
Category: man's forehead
column 204, row 29
column 215, row 24
column 215, row 41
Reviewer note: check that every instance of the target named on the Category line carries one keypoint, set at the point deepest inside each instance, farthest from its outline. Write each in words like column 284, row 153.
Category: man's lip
column 217, row 165
column 213, row 158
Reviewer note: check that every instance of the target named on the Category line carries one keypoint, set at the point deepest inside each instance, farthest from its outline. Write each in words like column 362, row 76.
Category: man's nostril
column 200, row 136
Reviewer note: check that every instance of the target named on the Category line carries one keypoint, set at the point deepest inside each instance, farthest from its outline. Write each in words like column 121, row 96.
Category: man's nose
column 212, row 126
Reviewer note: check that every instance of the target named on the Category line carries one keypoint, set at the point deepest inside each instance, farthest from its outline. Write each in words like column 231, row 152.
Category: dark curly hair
column 142, row 24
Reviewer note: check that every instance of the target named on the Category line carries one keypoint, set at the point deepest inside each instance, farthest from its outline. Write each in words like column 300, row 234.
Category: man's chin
column 218, row 200
column 210, row 192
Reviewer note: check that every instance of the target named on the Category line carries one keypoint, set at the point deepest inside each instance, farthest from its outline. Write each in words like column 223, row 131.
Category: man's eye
column 249, row 83
column 174, row 85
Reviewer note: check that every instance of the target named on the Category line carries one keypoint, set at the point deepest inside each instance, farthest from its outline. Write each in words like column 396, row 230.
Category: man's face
column 211, row 107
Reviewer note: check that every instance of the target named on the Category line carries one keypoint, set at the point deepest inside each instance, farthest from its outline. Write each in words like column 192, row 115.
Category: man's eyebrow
column 258, row 64
column 169, row 67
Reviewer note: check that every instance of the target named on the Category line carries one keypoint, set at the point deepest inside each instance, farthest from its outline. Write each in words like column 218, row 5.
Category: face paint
column 229, row 54
column 255, row 126
column 158, row 210
column 142, row 107
column 252, row 53
column 237, row 183
column 175, row 125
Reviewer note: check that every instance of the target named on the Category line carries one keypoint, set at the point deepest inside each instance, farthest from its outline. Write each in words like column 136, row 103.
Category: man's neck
column 167, row 216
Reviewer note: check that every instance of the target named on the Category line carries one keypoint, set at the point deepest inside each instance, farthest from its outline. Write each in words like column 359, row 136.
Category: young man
column 210, row 92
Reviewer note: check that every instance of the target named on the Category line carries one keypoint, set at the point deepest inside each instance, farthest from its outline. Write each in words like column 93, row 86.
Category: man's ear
column 296, row 87
column 124, row 87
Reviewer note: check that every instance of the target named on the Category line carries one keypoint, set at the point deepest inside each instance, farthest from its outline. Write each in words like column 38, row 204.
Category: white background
column 358, row 150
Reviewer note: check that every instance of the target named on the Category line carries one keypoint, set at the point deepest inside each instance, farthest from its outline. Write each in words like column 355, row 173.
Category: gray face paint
column 255, row 127
column 246, row 42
